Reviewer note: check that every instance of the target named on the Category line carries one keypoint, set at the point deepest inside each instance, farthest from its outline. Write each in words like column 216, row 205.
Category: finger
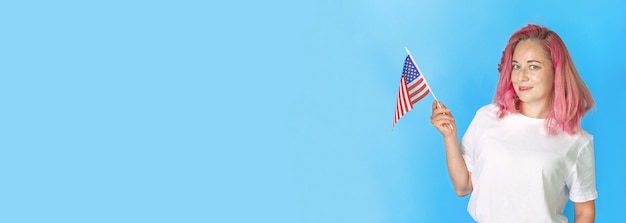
column 434, row 106
column 441, row 111
column 438, row 119
column 443, row 126
column 442, row 105
column 441, row 117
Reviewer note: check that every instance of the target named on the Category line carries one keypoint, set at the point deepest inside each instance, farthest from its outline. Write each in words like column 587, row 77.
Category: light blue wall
column 267, row 111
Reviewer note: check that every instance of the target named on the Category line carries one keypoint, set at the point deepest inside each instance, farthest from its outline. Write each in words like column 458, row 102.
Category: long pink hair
column 571, row 98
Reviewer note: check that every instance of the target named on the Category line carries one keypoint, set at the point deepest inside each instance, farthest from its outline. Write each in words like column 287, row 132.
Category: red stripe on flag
column 406, row 100
column 422, row 96
column 418, row 91
column 414, row 84
column 403, row 103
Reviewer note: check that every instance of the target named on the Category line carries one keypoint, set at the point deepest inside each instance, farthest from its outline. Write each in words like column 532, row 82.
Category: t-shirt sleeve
column 582, row 179
column 468, row 143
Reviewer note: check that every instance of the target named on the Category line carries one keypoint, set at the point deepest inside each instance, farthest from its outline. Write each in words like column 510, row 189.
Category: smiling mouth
column 524, row 88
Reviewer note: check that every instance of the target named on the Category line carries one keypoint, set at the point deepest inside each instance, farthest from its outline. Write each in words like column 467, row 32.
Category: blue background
column 267, row 111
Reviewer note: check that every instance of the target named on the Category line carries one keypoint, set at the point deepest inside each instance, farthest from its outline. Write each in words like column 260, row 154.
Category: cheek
column 546, row 79
column 545, row 83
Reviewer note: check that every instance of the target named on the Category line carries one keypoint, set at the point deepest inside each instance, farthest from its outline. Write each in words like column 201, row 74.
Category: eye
column 534, row 67
column 516, row 66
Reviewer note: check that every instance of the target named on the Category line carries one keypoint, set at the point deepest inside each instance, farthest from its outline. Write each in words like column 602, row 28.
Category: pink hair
column 571, row 98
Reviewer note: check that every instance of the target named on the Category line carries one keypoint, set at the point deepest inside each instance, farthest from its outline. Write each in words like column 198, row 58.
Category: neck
column 535, row 111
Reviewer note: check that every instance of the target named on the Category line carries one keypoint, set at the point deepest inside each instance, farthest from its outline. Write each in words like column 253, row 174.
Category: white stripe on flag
column 406, row 101
column 418, row 86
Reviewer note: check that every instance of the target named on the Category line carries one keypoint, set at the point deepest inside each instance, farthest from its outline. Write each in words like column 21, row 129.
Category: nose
column 522, row 74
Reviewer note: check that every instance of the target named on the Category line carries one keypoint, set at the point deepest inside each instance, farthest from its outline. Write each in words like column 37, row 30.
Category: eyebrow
column 530, row 61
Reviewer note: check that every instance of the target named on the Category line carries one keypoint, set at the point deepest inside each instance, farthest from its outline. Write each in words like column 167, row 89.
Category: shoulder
column 489, row 110
column 583, row 137
column 486, row 114
column 586, row 135
column 579, row 142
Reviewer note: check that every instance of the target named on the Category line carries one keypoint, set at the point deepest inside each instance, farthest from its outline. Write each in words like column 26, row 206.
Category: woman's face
column 532, row 74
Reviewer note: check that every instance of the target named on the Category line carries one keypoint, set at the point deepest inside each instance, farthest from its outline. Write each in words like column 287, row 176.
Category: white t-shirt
column 522, row 174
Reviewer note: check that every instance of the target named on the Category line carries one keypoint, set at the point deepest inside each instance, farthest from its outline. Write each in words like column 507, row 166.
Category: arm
column 584, row 212
column 459, row 175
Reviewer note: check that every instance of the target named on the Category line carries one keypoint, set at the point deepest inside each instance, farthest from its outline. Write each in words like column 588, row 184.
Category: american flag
column 413, row 88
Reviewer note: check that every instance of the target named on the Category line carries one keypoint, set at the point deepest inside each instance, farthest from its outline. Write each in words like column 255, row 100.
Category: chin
column 522, row 99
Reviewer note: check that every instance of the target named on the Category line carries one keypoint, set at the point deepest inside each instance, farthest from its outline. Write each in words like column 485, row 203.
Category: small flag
column 413, row 88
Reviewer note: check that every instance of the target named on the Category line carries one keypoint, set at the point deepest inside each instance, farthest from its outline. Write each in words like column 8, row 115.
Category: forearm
column 444, row 122
column 584, row 219
column 459, row 175
column 584, row 212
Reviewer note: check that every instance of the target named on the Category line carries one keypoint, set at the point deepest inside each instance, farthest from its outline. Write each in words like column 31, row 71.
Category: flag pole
column 425, row 81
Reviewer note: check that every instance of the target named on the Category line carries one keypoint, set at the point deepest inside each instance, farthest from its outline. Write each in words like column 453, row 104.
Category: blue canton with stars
column 409, row 70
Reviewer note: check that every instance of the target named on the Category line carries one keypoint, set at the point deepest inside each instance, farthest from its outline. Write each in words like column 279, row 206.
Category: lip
column 524, row 88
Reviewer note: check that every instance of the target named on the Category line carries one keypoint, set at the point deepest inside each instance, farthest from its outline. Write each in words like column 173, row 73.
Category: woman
column 525, row 155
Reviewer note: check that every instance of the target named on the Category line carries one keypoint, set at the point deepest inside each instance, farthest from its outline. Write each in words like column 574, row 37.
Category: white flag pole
column 425, row 82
